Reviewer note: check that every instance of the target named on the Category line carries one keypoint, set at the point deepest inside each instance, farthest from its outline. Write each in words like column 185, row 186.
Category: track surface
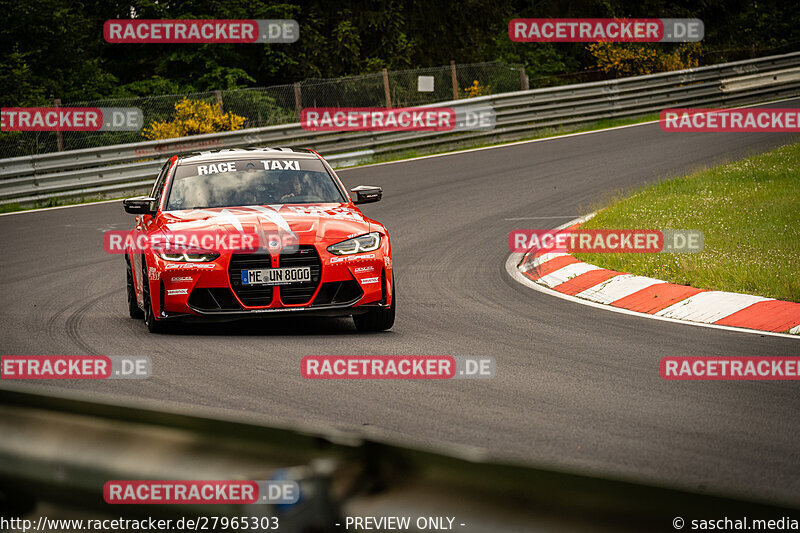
column 577, row 388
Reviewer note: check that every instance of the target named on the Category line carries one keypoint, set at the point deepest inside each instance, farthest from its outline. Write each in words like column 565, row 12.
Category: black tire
column 153, row 325
column 133, row 308
column 379, row 319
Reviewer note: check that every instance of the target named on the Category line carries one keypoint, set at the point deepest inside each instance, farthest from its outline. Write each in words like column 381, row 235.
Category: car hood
column 311, row 223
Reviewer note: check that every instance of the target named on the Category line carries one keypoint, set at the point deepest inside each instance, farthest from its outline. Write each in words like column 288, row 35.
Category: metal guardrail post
column 59, row 135
column 386, row 91
column 454, row 79
column 298, row 99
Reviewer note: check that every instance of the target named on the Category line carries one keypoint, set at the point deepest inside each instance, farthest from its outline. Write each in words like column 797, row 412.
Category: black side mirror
column 367, row 193
column 141, row 205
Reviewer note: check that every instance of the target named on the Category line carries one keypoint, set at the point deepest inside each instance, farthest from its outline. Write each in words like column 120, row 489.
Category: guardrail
column 61, row 448
column 118, row 168
column 760, row 80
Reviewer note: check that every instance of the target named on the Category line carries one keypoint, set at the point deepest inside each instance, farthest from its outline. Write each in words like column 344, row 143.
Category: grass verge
column 748, row 211
column 52, row 202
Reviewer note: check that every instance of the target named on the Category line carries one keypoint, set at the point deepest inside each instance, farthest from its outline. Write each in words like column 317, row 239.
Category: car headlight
column 356, row 245
column 195, row 256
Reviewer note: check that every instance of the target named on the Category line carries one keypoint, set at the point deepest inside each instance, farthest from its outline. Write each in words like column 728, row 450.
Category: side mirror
column 141, row 205
column 366, row 194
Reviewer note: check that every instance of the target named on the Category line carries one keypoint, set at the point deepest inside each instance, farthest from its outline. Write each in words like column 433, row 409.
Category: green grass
column 52, row 202
column 748, row 211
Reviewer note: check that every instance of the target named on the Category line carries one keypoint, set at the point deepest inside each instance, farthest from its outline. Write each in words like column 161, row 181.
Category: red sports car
column 315, row 252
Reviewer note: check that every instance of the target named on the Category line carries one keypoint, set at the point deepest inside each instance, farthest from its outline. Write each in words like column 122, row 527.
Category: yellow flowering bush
column 635, row 59
column 193, row 117
column 476, row 89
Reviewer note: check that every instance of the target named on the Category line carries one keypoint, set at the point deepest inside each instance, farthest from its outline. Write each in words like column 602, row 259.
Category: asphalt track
column 577, row 388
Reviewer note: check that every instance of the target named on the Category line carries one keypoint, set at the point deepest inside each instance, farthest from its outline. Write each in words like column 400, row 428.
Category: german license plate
column 276, row 276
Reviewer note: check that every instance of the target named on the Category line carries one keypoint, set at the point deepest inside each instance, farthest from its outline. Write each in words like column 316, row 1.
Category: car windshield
column 252, row 182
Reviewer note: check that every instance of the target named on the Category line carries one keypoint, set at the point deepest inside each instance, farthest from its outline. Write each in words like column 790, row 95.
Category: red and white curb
column 563, row 275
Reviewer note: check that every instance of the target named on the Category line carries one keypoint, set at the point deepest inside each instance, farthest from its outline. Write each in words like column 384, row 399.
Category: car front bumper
column 341, row 285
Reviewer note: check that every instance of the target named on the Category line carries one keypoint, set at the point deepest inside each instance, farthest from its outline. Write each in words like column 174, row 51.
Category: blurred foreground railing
column 59, row 449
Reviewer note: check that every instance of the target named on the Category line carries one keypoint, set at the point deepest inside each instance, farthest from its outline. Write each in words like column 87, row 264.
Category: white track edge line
column 553, row 138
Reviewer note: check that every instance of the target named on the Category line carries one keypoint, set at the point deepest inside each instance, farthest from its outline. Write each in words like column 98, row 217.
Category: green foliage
column 18, row 83
column 150, row 86
column 55, row 48
column 259, row 108
column 636, row 59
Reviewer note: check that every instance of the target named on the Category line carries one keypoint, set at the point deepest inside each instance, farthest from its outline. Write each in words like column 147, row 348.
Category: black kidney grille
column 298, row 293
column 252, row 296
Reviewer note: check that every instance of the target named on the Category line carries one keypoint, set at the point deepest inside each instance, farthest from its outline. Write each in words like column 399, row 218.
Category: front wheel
column 133, row 307
column 153, row 325
column 379, row 319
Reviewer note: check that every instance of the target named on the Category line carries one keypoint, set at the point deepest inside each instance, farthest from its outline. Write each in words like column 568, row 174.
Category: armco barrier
column 60, row 448
column 129, row 167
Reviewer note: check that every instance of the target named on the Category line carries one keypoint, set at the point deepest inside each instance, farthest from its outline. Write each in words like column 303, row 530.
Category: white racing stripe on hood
column 230, row 216
column 273, row 215
column 225, row 215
